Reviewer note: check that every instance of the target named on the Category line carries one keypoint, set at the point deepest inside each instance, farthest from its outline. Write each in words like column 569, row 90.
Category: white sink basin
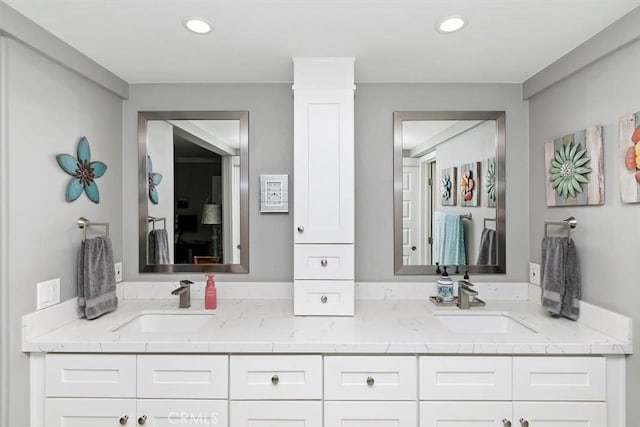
column 165, row 322
column 485, row 323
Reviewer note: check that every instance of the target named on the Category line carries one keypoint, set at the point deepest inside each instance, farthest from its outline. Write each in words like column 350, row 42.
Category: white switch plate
column 118, row 267
column 534, row 273
column 48, row 293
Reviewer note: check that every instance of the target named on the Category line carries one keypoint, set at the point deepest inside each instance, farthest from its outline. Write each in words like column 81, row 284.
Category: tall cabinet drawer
column 94, row 375
column 183, row 377
column 324, row 297
column 370, row 378
column 323, row 262
column 276, row 377
column 559, row 378
column 465, row 378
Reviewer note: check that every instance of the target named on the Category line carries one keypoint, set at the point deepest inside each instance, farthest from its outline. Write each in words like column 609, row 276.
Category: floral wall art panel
column 448, row 179
column 490, row 184
column 630, row 158
column 468, row 184
column 574, row 169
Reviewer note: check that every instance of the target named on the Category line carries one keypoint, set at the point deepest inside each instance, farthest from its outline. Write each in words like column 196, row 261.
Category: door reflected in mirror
column 448, row 191
column 194, row 213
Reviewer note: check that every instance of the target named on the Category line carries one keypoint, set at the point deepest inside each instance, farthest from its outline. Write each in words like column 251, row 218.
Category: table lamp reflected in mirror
column 212, row 215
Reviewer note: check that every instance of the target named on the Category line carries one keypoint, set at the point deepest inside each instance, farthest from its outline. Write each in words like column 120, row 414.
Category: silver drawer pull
column 300, row 229
column 142, row 420
column 524, row 423
column 370, row 381
column 323, row 299
column 123, row 420
column 506, row 423
column 324, row 262
column 275, row 380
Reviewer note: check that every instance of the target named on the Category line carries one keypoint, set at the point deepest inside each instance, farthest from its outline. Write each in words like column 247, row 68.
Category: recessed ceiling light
column 451, row 24
column 197, row 25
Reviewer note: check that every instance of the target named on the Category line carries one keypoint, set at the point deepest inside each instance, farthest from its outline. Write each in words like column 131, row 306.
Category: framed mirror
column 449, row 192
column 193, row 201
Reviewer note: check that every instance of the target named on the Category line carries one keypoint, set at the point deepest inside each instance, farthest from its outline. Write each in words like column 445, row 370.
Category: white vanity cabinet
column 149, row 390
column 323, row 186
column 513, row 391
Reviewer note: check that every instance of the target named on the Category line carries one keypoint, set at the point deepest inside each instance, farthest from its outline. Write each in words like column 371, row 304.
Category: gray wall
column 270, row 109
column 607, row 236
column 50, row 108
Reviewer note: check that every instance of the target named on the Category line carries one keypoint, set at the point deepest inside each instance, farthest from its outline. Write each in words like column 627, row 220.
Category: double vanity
column 398, row 362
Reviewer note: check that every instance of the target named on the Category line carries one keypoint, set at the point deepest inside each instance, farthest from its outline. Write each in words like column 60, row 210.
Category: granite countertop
column 380, row 327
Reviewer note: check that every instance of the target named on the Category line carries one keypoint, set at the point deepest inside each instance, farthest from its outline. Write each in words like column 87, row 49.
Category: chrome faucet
column 466, row 295
column 185, row 293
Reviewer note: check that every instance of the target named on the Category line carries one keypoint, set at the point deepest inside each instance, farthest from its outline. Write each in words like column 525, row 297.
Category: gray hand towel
column 96, row 278
column 487, row 252
column 561, row 280
column 159, row 247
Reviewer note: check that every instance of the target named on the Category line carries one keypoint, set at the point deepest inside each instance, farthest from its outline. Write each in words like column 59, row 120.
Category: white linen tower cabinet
column 323, row 186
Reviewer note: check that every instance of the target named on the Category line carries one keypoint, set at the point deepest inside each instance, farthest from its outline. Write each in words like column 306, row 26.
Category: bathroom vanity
column 398, row 362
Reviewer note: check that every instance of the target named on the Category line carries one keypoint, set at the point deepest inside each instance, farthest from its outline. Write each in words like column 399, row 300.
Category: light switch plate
column 48, row 293
column 534, row 273
column 118, row 268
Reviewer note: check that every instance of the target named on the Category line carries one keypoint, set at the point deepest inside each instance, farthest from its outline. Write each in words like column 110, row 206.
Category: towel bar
column 570, row 223
column 467, row 216
column 84, row 224
column 489, row 220
column 154, row 219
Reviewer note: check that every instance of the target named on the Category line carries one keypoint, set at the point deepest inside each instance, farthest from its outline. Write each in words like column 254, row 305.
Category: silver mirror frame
column 143, row 118
column 500, row 118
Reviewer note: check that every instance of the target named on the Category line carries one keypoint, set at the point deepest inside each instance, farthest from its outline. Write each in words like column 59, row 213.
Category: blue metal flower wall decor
column 83, row 171
column 154, row 179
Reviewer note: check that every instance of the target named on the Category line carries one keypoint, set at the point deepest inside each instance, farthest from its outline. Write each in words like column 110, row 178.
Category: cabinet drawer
column 370, row 378
column 323, row 298
column 559, row 378
column 467, row 414
column 360, row 414
column 323, row 262
column 63, row 412
column 95, row 375
column 561, row 414
column 465, row 378
column 276, row 377
column 183, row 377
column 181, row 412
column 275, row 414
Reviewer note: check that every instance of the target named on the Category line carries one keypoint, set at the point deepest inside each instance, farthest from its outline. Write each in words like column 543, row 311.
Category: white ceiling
column 392, row 40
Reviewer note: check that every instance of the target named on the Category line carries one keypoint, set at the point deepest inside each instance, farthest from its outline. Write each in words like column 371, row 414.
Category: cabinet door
column 465, row 414
column 368, row 414
column 181, row 412
column 560, row 414
column 323, row 166
column 276, row 414
column 63, row 412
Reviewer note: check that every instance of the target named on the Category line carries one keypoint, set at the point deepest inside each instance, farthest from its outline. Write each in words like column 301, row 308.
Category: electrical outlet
column 118, row 268
column 534, row 273
column 47, row 293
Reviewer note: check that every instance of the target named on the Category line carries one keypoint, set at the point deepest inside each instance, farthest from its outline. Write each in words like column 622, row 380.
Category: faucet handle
column 186, row 283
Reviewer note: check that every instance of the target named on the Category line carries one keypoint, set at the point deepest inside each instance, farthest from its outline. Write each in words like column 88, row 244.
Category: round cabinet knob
column 506, row 423
column 323, row 299
column 413, row 248
column 370, row 381
column 324, row 262
column 123, row 420
column 275, row 380
column 300, row 229
column 142, row 420
column 524, row 423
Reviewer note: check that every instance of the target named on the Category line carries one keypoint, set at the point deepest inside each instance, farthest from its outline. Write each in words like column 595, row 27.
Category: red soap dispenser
column 210, row 293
